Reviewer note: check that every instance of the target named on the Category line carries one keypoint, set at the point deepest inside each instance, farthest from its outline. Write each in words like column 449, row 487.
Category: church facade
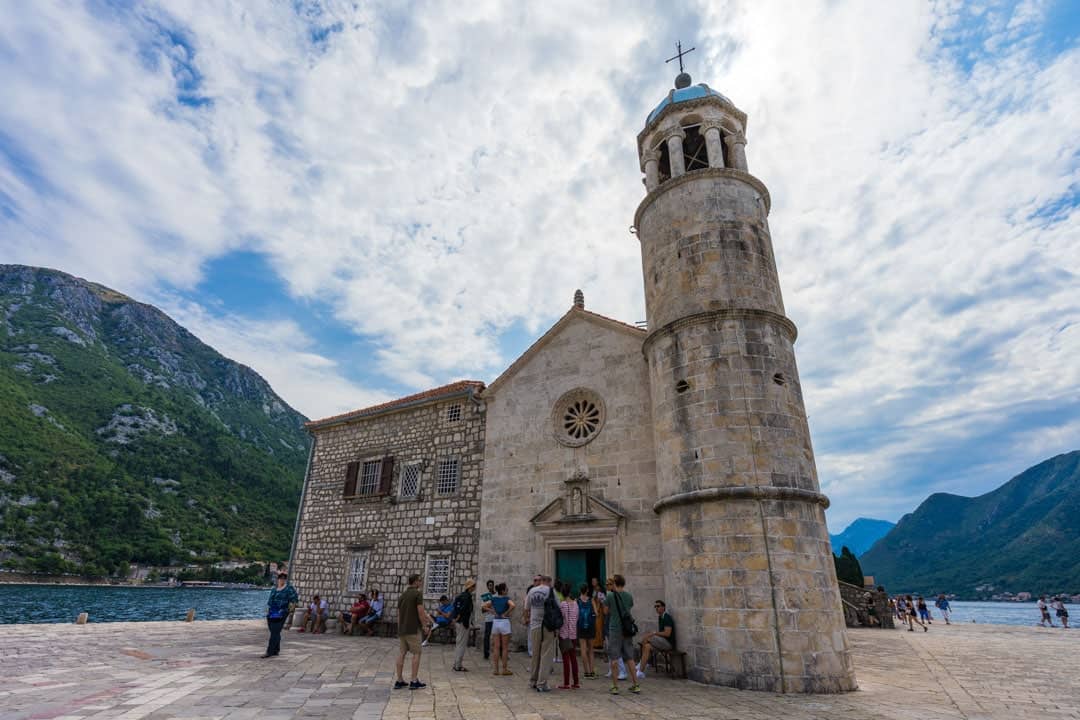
column 677, row 455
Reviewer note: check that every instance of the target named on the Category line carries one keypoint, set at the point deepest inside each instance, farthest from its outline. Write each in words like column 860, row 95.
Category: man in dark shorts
column 620, row 644
column 412, row 617
column 662, row 639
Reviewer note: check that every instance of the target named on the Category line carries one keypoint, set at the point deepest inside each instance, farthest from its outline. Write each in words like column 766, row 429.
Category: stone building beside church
column 678, row 455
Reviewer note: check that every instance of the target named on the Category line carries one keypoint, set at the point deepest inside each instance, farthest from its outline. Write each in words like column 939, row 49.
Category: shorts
column 660, row 643
column 619, row 646
column 500, row 626
column 410, row 643
column 1063, row 613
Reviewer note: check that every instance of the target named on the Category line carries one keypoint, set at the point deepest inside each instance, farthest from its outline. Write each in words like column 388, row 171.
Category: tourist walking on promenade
column 485, row 598
column 412, row 617
column 283, row 597
column 942, row 604
column 568, row 636
column 462, row 618
column 542, row 635
column 1044, row 612
column 500, row 607
column 913, row 614
column 924, row 612
column 1062, row 613
column 586, row 631
column 621, row 631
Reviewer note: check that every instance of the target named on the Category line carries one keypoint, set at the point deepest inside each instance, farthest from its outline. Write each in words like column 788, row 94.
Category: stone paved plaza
column 213, row 670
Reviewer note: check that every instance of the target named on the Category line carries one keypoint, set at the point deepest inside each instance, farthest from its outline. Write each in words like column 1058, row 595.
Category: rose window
column 577, row 417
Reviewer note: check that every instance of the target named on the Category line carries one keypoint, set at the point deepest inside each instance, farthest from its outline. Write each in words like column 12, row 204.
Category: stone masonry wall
column 526, row 468
column 398, row 534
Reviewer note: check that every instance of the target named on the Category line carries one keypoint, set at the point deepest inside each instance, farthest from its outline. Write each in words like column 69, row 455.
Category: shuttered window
column 351, row 471
column 369, row 477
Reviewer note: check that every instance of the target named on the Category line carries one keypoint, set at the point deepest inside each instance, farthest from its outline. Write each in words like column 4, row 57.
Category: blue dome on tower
column 683, row 94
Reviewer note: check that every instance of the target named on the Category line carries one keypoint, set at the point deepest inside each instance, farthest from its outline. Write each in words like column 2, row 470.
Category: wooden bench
column 672, row 662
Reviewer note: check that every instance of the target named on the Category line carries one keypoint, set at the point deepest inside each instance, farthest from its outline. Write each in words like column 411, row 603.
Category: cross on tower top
column 679, row 54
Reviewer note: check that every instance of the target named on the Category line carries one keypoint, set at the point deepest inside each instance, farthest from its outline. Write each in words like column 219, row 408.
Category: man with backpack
column 543, row 625
column 621, row 632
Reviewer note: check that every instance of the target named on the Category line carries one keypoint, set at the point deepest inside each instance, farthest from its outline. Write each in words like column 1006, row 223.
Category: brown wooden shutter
column 351, row 471
column 387, row 476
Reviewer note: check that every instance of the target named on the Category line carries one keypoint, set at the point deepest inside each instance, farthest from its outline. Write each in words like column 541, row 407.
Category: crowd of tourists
column 565, row 625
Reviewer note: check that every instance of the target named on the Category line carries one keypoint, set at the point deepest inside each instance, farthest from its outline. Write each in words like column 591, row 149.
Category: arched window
column 695, row 154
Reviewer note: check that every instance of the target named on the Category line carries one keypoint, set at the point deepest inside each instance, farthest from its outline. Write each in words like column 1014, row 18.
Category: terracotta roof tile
column 433, row 394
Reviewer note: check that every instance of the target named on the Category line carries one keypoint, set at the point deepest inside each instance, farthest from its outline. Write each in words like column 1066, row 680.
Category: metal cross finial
column 679, row 54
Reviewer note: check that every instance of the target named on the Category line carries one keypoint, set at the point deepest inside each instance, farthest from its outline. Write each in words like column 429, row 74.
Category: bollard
column 190, row 615
column 82, row 619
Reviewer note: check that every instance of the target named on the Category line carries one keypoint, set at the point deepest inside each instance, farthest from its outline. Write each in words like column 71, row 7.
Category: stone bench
column 672, row 662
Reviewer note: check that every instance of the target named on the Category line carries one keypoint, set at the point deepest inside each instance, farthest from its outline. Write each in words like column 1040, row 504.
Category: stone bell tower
column 748, row 563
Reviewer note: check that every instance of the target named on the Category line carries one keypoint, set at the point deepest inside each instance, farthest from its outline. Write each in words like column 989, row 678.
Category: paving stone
column 971, row 672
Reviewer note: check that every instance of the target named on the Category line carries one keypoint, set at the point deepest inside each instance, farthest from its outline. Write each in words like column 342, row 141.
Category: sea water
column 104, row 603
column 63, row 603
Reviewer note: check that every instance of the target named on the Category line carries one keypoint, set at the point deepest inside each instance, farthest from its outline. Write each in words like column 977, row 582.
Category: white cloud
column 439, row 173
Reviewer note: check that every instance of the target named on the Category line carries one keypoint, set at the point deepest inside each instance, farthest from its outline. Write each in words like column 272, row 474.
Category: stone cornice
column 687, row 105
column 700, row 175
column 741, row 492
column 725, row 314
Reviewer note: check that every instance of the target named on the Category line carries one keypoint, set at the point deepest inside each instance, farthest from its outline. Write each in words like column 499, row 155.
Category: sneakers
column 543, row 688
column 614, row 690
column 640, row 675
column 400, row 684
column 622, row 675
column 635, row 688
column 424, row 644
column 416, row 685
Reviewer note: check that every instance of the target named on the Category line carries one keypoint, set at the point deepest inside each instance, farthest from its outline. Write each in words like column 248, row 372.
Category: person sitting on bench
column 663, row 639
column 316, row 614
column 355, row 614
column 442, row 616
column 374, row 614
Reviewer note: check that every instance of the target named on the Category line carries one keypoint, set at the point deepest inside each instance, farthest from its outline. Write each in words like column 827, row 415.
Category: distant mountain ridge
column 1023, row 536
column 860, row 535
column 125, row 438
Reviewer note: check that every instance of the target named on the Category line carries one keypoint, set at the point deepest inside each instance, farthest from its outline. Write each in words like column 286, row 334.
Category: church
column 677, row 454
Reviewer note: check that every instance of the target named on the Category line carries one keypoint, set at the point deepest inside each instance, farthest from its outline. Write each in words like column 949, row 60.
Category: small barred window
column 448, row 477
column 437, row 575
column 369, row 477
column 410, row 480
column 453, row 413
column 357, row 572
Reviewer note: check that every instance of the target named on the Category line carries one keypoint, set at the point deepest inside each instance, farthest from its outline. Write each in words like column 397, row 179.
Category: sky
column 362, row 200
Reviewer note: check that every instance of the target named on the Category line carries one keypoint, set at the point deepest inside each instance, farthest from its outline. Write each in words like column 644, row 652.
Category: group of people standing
column 1058, row 606
column 565, row 625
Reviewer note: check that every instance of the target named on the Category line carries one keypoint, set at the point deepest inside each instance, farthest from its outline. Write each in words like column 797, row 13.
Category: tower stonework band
column 747, row 557
column 676, row 455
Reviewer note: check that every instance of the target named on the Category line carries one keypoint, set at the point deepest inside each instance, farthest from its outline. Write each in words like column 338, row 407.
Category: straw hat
column 470, row 584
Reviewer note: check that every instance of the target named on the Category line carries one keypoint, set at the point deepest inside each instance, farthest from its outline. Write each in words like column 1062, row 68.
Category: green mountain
column 1023, row 536
column 126, row 439
column 860, row 535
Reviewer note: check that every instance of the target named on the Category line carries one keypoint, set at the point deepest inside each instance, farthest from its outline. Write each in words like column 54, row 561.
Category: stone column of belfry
column 749, row 572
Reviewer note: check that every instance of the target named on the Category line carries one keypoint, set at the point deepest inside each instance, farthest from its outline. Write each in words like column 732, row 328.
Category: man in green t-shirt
column 412, row 617
column 662, row 639
column 620, row 645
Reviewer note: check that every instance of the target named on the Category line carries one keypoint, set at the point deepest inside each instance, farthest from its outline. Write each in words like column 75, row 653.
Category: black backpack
column 553, row 619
